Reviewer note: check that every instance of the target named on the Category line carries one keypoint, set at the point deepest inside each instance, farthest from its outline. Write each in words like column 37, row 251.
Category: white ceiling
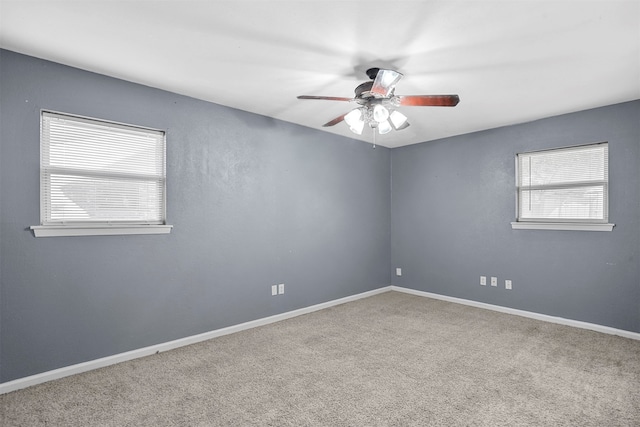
column 509, row 61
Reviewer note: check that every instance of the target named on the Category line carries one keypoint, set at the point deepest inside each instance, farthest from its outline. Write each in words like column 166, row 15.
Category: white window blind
column 96, row 172
column 564, row 185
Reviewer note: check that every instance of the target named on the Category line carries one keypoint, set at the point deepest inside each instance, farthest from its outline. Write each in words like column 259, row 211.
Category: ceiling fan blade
column 335, row 121
column 326, row 98
column 428, row 100
column 385, row 82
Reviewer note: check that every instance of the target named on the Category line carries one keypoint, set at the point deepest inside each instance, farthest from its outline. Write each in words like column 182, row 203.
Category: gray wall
column 454, row 199
column 256, row 202
column 253, row 201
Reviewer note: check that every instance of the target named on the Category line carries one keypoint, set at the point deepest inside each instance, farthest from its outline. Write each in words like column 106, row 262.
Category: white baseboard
column 523, row 313
column 66, row 371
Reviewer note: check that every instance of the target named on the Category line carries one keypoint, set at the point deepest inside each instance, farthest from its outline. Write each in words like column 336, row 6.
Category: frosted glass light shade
column 384, row 127
column 355, row 121
column 398, row 120
column 380, row 113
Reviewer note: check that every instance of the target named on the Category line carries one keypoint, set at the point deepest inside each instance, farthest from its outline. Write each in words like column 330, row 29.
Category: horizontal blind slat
column 94, row 171
column 564, row 184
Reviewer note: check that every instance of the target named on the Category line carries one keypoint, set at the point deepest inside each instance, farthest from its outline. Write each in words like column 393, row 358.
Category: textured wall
column 256, row 202
column 454, row 199
column 253, row 202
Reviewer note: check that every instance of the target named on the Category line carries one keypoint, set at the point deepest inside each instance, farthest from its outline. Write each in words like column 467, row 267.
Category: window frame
column 574, row 224
column 50, row 228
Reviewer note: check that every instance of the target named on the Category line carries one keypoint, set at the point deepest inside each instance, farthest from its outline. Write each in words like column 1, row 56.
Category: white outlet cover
column 483, row 280
column 507, row 284
column 274, row 290
column 281, row 288
column 398, row 272
column 494, row 281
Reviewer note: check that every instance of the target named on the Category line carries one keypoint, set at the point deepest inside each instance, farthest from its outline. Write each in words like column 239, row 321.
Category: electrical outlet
column 274, row 290
column 398, row 272
column 494, row 281
column 483, row 280
column 507, row 284
column 281, row 288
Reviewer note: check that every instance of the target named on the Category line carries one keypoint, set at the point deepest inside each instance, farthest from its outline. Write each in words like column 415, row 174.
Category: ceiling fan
column 378, row 103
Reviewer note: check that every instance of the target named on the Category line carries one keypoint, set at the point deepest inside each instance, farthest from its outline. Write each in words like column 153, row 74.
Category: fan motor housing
column 363, row 90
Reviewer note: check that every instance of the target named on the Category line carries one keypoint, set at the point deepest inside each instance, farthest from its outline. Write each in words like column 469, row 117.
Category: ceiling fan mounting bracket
column 372, row 73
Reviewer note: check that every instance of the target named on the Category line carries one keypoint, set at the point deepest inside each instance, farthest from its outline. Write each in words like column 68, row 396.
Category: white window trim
column 522, row 225
column 99, row 229
column 550, row 225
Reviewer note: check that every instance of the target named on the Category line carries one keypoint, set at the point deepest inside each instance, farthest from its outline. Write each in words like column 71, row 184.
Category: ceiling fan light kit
column 378, row 103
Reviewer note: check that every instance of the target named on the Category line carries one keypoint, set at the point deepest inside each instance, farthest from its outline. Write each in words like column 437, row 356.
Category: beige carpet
column 389, row 360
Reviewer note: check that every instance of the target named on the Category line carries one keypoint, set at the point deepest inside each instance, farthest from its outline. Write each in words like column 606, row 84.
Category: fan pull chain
column 374, row 137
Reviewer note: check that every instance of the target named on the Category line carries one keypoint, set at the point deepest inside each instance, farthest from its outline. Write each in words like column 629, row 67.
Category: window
column 565, row 188
column 98, row 177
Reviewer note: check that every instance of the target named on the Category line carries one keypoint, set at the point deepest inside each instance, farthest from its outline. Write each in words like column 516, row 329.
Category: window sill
column 97, row 230
column 561, row 226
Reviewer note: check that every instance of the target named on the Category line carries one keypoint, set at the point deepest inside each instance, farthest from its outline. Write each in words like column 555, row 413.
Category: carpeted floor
column 389, row 360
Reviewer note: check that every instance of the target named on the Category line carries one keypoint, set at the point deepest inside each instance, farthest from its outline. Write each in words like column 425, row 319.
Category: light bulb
column 380, row 114
column 384, row 127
